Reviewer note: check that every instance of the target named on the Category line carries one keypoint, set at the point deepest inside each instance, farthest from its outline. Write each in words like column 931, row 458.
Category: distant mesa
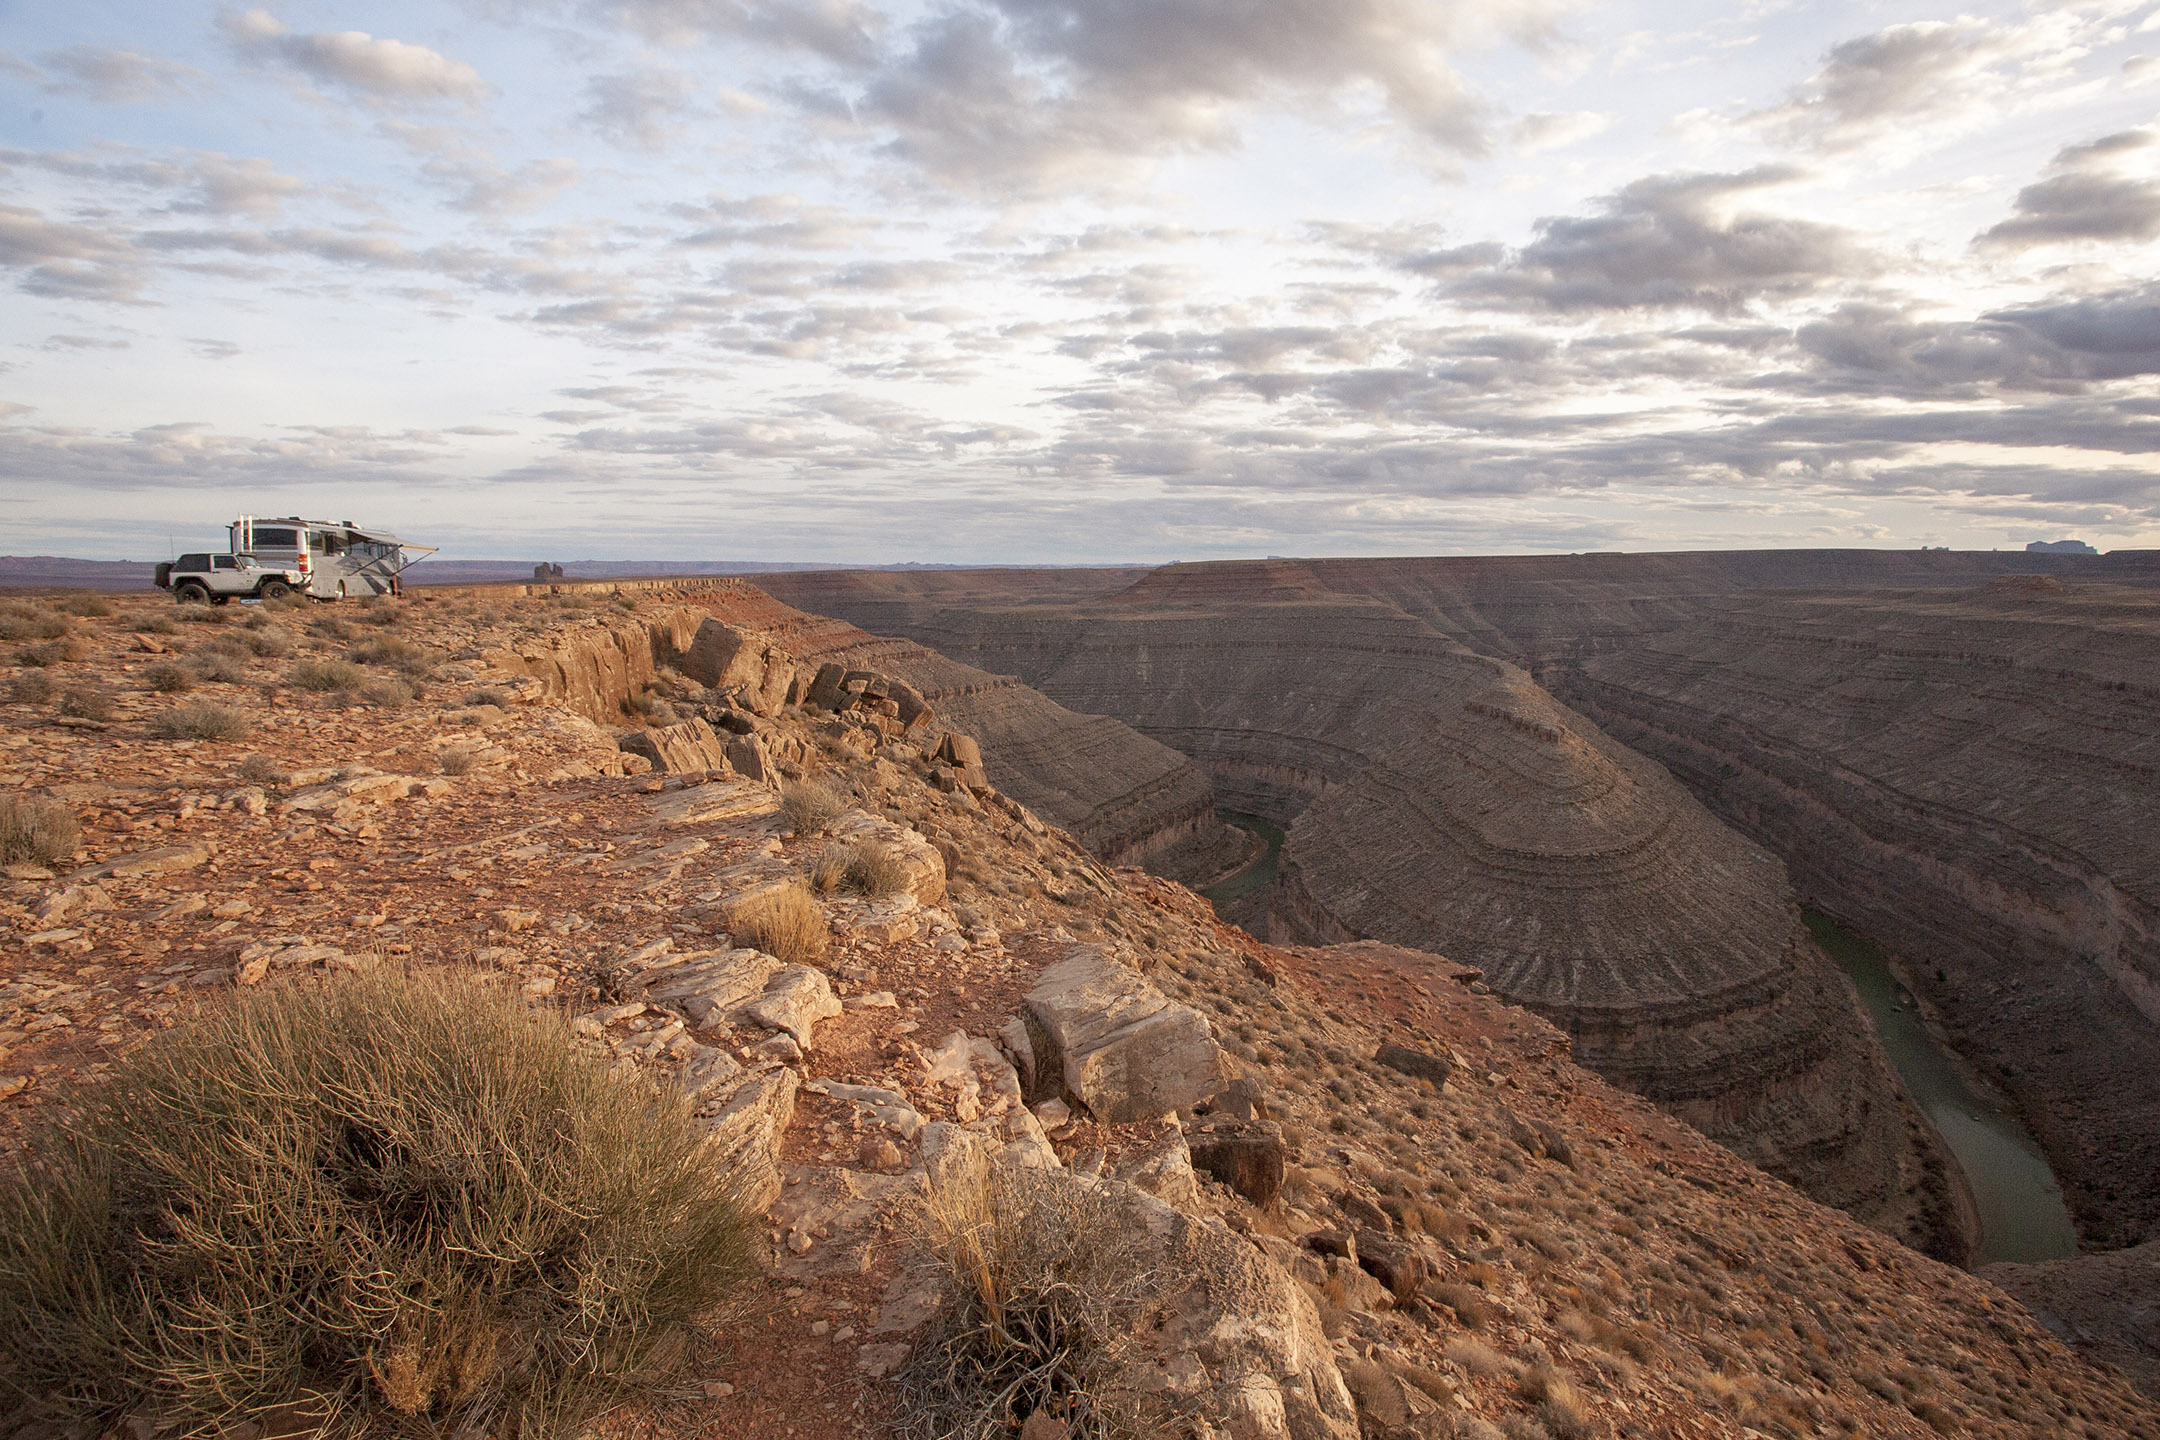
column 2060, row 547
column 546, row 571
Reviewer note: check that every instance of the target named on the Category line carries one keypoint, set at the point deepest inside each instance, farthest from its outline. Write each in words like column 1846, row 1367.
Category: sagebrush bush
column 325, row 676
column 382, row 1202
column 31, row 687
column 154, row 624
column 785, row 922
column 1041, row 1289
column 220, row 670
column 36, row 832
column 20, row 620
column 84, row 702
column 388, row 694
column 200, row 720
column 168, row 679
column 262, row 770
column 456, row 762
column 89, row 607
column 52, row 652
column 810, row 805
column 489, row 697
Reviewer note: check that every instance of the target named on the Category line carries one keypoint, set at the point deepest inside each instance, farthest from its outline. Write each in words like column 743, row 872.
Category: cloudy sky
column 1080, row 280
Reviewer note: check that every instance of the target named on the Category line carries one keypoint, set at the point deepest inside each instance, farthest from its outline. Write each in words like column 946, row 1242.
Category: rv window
column 326, row 542
column 276, row 539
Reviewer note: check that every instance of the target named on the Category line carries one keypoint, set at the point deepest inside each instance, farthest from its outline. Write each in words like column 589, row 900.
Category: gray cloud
column 2086, row 197
column 1663, row 242
column 1905, row 76
column 64, row 261
column 120, row 77
column 377, row 69
column 1034, row 95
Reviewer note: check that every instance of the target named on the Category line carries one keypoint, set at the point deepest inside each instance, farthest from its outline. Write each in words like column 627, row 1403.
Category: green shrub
column 36, row 832
column 200, row 720
column 381, row 1202
column 324, row 676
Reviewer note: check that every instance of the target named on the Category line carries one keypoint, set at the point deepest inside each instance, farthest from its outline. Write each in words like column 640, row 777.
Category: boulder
column 1391, row 1262
column 910, row 707
column 1246, row 1155
column 1415, row 1062
column 1115, row 1043
column 705, row 985
column 824, row 689
column 679, row 749
column 795, row 999
column 747, row 757
column 1165, row 1170
column 726, row 657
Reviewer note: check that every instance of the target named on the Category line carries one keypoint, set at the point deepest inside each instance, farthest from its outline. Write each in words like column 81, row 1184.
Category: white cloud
column 376, row 69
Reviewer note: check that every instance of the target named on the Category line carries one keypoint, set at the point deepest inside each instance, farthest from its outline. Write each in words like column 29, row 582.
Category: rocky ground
column 1375, row 1198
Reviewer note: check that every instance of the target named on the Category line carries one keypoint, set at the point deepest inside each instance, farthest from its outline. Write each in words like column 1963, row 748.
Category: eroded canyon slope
column 1481, row 1237
column 1439, row 798
column 1955, row 760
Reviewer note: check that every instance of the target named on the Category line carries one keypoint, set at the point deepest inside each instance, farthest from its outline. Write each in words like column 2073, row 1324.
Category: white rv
column 342, row 558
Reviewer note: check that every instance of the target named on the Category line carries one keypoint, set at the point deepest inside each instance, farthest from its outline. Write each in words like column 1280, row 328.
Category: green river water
column 2022, row 1215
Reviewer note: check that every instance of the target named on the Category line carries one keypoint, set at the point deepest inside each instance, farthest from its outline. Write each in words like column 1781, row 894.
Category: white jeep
column 206, row 576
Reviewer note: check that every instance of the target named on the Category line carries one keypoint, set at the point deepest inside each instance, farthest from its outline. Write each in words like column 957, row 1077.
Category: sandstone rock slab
column 1120, row 1046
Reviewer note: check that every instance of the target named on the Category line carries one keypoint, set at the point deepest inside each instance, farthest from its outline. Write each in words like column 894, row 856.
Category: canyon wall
column 1440, row 799
column 1961, row 772
column 1970, row 777
column 1129, row 799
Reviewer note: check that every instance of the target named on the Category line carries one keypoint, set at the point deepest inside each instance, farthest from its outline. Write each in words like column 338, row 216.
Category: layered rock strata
column 1969, row 778
column 1129, row 799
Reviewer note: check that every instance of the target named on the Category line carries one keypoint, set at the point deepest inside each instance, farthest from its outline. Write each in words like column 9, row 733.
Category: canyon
column 1605, row 780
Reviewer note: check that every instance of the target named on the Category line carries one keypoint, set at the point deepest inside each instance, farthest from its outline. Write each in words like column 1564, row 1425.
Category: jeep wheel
column 275, row 590
column 191, row 592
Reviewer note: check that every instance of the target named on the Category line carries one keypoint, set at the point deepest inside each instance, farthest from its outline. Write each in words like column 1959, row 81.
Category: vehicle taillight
column 306, row 564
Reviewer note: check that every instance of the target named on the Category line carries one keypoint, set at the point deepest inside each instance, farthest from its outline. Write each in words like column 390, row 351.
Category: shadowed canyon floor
column 1468, row 1235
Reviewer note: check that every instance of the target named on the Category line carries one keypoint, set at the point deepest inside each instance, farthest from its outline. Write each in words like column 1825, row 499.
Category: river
column 1260, row 872
column 2022, row 1215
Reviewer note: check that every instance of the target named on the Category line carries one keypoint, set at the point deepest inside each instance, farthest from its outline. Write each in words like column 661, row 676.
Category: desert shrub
column 51, row 652
column 393, row 651
column 389, row 694
column 380, row 612
column 200, row 720
column 36, row 832
column 784, row 921
column 489, row 697
column 154, row 624
column 867, row 867
column 20, row 620
column 262, row 770
column 1041, row 1296
column 810, row 805
column 379, row 1203
column 456, row 762
column 325, row 676
column 89, row 607
column 84, row 702
column 203, row 615
column 31, row 687
column 168, row 679
column 220, row 670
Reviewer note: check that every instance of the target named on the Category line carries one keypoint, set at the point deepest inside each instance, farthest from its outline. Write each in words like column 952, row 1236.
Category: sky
column 1080, row 281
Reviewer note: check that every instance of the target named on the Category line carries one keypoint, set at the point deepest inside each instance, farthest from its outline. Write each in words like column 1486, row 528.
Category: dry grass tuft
column 864, row 868
column 168, row 679
column 84, row 702
column 456, row 762
column 36, row 832
column 1040, row 1301
column 325, row 676
column 786, row 922
column 21, row 620
column 262, row 770
column 200, row 720
column 811, row 805
column 31, row 687
column 385, row 1203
